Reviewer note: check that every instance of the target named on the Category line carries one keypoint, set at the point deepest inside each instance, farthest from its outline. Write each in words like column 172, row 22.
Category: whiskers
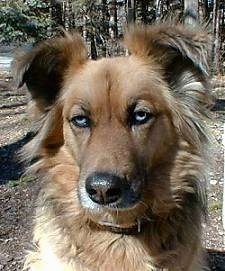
column 144, row 204
column 117, row 214
column 147, row 216
column 139, row 225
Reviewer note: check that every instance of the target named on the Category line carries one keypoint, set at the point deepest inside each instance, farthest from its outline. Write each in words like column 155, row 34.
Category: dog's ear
column 170, row 46
column 181, row 55
column 43, row 68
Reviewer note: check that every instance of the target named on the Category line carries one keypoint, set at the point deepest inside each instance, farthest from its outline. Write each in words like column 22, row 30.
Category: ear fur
column 182, row 55
column 167, row 42
column 48, row 138
column 43, row 68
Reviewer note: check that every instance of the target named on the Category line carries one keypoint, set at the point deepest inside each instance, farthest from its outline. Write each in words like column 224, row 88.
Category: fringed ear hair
column 167, row 43
column 182, row 54
column 43, row 68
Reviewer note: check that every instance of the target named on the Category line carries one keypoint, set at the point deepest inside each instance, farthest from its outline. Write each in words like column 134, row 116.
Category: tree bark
column 207, row 12
column 105, row 18
column 94, row 53
column 216, row 28
column 191, row 12
column 84, row 28
column 115, row 28
column 68, row 15
column 104, row 26
column 144, row 11
column 141, row 11
column 130, row 11
column 158, row 9
column 56, row 12
column 113, row 19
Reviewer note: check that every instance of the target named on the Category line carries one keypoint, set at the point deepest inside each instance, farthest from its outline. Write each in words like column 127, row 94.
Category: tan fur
column 167, row 73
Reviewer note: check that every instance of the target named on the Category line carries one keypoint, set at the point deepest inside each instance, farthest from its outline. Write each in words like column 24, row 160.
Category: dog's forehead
column 118, row 78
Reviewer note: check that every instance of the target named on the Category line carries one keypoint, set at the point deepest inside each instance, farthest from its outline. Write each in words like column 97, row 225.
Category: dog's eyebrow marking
column 108, row 86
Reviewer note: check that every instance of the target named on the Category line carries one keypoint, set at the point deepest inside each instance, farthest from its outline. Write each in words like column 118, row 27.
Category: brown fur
column 166, row 158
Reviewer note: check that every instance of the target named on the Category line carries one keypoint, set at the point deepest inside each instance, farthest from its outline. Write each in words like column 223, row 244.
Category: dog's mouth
column 125, row 216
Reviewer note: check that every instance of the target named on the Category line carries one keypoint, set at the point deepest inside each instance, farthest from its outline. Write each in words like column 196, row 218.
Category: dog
column 120, row 150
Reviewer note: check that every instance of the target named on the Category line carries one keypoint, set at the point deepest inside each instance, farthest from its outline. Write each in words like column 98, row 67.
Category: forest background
column 102, row 22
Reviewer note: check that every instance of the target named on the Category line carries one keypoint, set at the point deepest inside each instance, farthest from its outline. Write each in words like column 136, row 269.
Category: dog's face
column 119, row 121
column 117, row 125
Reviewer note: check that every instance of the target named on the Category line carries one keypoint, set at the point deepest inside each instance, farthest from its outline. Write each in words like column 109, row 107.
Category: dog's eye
column 140, row 117
column 81, row 121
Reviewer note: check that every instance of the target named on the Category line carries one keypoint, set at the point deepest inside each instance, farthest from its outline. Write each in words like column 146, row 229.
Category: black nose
column 104, row 188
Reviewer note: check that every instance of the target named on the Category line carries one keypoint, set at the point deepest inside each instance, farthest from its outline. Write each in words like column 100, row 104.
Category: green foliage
column 22, row 21
column 24, row 179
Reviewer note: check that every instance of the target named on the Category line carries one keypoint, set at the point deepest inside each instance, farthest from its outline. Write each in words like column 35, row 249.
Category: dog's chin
column 127, row 220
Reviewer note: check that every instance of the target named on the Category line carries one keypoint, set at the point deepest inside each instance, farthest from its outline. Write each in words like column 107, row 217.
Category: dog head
column 122, row 137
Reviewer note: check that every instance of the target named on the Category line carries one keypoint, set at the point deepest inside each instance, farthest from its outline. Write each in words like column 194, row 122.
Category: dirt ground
column 18, row 192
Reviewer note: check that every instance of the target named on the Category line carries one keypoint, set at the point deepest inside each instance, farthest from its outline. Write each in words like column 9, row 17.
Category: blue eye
column 81, row 121
column 140, row 117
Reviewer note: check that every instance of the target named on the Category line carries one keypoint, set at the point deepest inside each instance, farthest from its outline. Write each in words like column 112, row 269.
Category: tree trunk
column 113, row 30
column 144, row 11
column 84, row 28
column 68, row 15
column 105, row 18
column 141, row 11
column 130, row 11
column 94, row 54
column 206, row 10
column 158, row 9
column 104, row 27
column 56, row 12
column 191, row 12
column 215, row 46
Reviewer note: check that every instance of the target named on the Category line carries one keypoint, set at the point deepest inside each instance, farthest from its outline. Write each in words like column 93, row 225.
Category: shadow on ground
column 11, row 167
column 216, row 260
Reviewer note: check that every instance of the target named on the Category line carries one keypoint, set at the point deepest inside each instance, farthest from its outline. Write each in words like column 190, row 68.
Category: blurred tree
column 21, row 21
column 113, row 19
column 191, row 12
column 105, row 15
column 216, row 26
column 68, row 14
column 131, row 11
column 142, row 11
column 102, row 22
column 56, row 11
